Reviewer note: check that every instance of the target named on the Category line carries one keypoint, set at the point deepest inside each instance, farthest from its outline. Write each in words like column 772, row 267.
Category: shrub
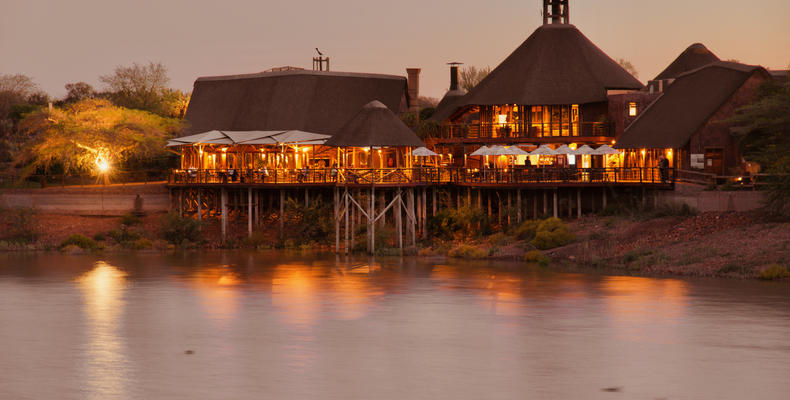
column 733, row 268
column 123, row 235
column 257, row 240
column 449, row 221
column 175, row 228
column 774, row 272
column 634, row 255
column 527, row 229
column 80, row 241
column 309, row 224
column 130, row 219
column 140, row 244
column 535, row 256
column 22, row 228
column 468, row 251
column 99, row 237
column 498, row 239
column 552, row 233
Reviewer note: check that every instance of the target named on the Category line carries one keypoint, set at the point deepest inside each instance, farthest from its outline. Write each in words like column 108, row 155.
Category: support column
column 570, row 204
column 224, row 209
column 200, row 206
column 371, row 224
column 399, row 220
column 534, row 206
column 249, row 212
column 346, row 212
column 181, row 202
column 578, row 203
column 603, row 199
column 410, row 206
column 433, row 202
column 555, row 203
column 509, row 206
column 518, row 204
column 424, row 212
column 282, row 214
column 336, row 203
column 546, row 203
column 382, row 206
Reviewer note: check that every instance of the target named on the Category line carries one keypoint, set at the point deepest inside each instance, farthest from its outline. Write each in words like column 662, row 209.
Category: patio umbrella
column 604, row 149
column 564, row 149
column 482, row 151
column 422, row 152
column 515, row 151
column 543, row 150
column 584, row 150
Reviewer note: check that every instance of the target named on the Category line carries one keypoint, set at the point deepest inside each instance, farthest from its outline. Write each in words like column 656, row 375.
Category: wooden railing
column 424, row 175
column 524, row 130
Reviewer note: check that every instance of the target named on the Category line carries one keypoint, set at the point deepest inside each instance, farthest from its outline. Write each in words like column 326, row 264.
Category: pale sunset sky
column 57, row 42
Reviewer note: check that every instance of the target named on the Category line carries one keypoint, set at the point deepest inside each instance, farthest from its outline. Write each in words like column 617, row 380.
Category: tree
column 628, row 67
column 766, row 139
column 470, row 76
column 142, row 87
column 14, row 89
column 89, row 134
column 79, row 91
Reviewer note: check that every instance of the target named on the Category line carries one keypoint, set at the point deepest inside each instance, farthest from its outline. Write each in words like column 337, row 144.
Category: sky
column 57, row 42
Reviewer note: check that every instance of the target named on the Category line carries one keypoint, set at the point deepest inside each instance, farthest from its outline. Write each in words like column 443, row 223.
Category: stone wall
column 96, row 200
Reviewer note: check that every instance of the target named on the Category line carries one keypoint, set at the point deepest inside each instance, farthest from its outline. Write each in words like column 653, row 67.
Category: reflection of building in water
column 217, row 289
column 105, row 360
column 632, row 306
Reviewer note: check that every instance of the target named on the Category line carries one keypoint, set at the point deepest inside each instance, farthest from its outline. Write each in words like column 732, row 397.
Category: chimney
column 454, row 75
column 414, row 88
column 557, row 11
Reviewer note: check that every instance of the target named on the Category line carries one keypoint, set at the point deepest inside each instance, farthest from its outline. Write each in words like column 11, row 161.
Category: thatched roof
column 686, row 105
column 695, row 56
column 312, row 101
column 375, row 125
column 557, row 64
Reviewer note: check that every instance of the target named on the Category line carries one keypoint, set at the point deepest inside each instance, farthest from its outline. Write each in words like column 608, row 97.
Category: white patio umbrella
column 584, row 150
column 564, row 149
column 604, row 149
column 422, row 152
column 498, row 150
column 482, row 151
column 543, row 150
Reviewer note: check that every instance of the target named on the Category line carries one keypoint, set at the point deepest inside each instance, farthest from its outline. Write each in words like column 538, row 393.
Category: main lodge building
column 556, row 126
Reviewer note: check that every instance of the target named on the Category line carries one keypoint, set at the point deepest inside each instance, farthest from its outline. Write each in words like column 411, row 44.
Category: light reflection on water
column 105, row 356
column 278, row 326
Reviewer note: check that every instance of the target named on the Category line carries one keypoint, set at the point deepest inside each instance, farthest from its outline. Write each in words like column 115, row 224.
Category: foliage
column 79, row 91
column 14, row 89
column 470, row 76
column 258, row 240
column 312, row 223
column 123, row 235
column 426, row 113
column 427, row 102
column 536, row 256
column 144, row 87
column 499, row 239
column 450, row 221
column 527, row 229
column 78, row 135
column 765, row 139
column 22, row 226
column 774, row 272
column 628, row 66
column 80, row 241
column 177, row 229
column 130, row 219
column 468, row 251
column 140, row 244
column 552, row 233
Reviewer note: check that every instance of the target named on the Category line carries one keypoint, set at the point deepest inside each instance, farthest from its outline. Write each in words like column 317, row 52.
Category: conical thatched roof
column 375, row 125
column 557, row 64
column 695, row 56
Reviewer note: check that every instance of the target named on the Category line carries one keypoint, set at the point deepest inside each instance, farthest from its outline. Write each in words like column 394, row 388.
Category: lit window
column 632, row 109
column 502, row 118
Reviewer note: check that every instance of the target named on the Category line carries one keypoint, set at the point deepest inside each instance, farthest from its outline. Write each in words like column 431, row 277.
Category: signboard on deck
column 697, row 161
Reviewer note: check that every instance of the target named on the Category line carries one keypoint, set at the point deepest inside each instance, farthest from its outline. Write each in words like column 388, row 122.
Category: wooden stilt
column 469, row 197
column 181, row 202
column 371, row 220
column 224, row 207
column 282, row 214
column 249, row 212
column 336, row 203
column 509, row 206
column 603, row 198
column 570, row 205
column 424, row 212
column 555, row 203
column 382, row 205
column 433, row 202
column 578, row 203
column 410, row 207
column 518, row 204
column 346, row 212
column 546, row 204
column 399, row 220
column 199, row 206
column 534, row 206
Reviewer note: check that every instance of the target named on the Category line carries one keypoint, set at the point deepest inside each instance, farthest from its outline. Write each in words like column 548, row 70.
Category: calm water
column 287, row 327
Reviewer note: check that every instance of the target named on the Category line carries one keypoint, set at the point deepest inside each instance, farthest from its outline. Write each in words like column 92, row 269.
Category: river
column 273, row 325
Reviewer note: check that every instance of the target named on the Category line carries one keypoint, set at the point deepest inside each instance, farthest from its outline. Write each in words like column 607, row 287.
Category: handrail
column 426, row 175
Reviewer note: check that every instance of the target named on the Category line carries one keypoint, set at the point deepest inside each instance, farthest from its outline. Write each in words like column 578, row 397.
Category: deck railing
column 424, row 175
column 524, row 131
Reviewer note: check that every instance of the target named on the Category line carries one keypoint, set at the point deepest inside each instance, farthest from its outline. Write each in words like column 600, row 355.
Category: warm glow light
column 224, row 149
column 669, row 153
column 613, row 141
column 102, row 164
column 502, row 118
column 643, row 152
column 367, row 149
column 305, row 149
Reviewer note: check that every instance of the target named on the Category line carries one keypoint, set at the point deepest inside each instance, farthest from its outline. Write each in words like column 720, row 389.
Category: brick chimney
column 557, row 11
column 454, row 75
column 414, row 88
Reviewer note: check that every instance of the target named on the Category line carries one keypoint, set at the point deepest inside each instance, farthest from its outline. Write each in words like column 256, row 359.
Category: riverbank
column 732, row 244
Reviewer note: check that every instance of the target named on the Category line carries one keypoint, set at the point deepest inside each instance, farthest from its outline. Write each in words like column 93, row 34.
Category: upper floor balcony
column 526, row 131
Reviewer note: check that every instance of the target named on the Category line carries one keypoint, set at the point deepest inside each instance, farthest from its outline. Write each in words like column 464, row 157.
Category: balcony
column 520, row 131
